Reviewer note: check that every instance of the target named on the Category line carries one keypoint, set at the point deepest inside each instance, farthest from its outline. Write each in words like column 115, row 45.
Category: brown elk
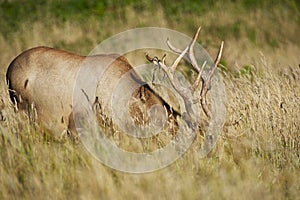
column 45, row 77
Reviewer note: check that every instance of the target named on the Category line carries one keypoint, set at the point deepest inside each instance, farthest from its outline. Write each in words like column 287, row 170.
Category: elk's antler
column 205, row 78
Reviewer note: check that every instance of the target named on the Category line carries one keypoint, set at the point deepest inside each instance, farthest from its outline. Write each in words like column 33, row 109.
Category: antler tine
column 164, row 59
column 178, row 59
column 149, row 58
column 195, row 38
column 206, row 83
column 197, row 81
column 217, row 61
column 174, row 49
column 191, row 53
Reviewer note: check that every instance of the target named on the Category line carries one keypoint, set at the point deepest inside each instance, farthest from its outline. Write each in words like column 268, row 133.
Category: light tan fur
column 45, row 77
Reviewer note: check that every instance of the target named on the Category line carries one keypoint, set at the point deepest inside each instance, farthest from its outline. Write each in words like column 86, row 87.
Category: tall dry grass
column 257, row 155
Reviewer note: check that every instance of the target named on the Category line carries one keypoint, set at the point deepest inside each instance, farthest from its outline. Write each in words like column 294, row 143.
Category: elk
column 45, row 77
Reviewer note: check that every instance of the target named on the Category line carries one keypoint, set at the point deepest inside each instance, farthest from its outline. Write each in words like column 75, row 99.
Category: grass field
column 258, row 153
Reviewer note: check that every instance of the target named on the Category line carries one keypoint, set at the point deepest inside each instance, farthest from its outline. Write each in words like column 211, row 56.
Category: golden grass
column 257, row 155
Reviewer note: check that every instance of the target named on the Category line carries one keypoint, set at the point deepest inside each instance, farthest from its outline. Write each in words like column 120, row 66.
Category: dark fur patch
column 26, row 83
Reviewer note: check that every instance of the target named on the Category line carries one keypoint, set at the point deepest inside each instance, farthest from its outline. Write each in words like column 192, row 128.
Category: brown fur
column 46, row 77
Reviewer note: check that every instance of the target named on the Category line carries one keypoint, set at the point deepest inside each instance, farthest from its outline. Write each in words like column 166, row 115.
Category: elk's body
column 45, row 77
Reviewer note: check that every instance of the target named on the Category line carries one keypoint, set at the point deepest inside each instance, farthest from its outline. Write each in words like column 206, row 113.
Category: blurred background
column 246, row 26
